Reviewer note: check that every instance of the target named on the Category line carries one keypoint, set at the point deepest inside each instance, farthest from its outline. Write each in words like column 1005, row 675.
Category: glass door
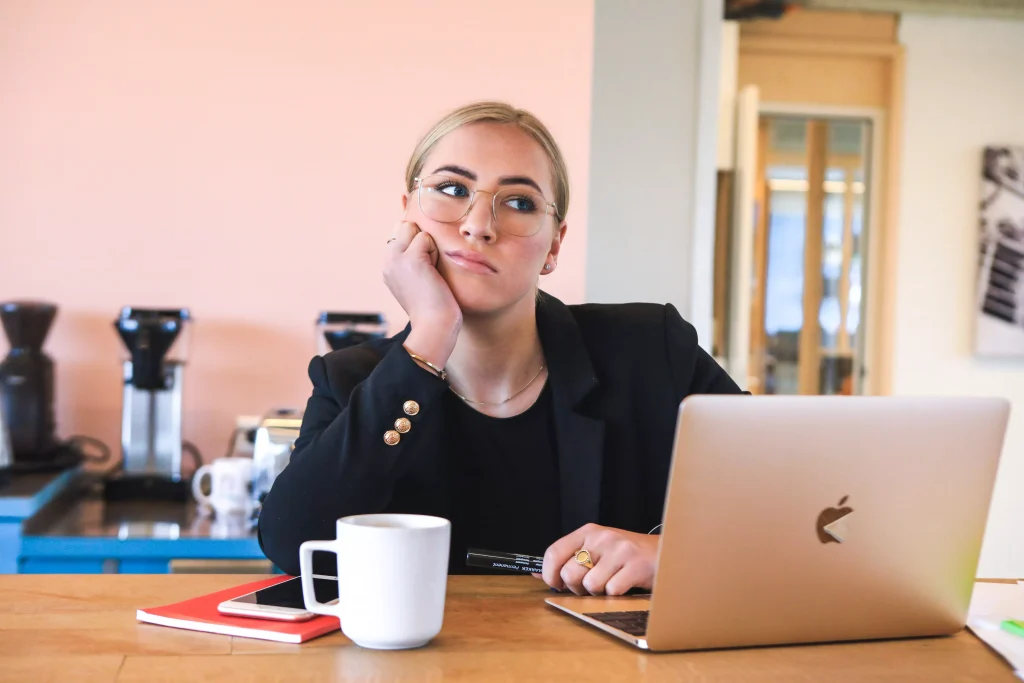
column 809, row 249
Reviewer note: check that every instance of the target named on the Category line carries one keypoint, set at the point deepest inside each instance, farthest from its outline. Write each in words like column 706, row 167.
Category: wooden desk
column 83, row 628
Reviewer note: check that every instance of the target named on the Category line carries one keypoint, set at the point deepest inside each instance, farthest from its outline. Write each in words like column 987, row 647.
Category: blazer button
column 391, row 437
column 402, row 425
column 411, row 408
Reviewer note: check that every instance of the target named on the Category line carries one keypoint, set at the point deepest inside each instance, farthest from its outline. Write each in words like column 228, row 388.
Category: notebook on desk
column 200, row 614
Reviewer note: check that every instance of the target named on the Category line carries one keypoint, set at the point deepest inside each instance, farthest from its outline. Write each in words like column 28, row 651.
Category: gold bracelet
column 440, row 372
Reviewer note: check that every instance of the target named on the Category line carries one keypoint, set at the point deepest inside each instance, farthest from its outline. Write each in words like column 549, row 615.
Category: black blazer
column 617, row 375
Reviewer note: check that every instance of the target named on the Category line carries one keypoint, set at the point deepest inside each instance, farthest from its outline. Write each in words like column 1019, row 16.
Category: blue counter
column 20, row 499
column 77, row 532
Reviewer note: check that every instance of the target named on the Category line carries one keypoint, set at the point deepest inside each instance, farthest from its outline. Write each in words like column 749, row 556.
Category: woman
column 533, row 426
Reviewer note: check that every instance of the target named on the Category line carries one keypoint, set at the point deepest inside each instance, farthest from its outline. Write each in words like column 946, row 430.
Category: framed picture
column 1000, row 301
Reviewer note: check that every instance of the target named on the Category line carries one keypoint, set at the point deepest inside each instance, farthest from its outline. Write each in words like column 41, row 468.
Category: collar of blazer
column 580, row 437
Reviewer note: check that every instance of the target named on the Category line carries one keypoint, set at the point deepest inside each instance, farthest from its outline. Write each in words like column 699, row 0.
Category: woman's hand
column 622, row 560
column 410, row 272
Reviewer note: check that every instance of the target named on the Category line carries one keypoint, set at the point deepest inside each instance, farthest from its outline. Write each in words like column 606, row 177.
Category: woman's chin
column 476, row 305
column 480, row 301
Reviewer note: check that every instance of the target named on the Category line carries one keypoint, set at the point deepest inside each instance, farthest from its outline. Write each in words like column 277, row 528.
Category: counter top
column 79, row 531
column 26, row 494
column 496, row 628
column 89, row 516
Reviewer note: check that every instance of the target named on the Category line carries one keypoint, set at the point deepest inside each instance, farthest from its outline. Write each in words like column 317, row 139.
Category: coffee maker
column 27, row 391
column 337, row 330
column 156, row 344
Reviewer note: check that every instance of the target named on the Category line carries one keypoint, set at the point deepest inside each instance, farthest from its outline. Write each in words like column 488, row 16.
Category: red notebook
column 200, row 614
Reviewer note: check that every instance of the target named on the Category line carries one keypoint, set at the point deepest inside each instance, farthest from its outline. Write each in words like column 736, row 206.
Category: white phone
column 282, row 601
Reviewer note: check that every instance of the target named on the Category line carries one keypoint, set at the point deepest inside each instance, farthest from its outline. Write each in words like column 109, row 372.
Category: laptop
column 814, row 519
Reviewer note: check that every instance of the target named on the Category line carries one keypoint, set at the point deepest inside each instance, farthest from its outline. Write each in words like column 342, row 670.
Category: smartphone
column 282, row 601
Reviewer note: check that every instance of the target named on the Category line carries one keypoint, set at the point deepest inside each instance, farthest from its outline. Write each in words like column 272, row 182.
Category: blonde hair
column 495, row 112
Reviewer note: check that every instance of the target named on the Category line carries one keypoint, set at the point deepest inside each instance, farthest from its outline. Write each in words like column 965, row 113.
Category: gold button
column 411, row 408
column 391, row 437
column 402, row 425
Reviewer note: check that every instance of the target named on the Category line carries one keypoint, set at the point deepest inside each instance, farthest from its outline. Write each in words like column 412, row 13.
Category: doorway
column 811, row 226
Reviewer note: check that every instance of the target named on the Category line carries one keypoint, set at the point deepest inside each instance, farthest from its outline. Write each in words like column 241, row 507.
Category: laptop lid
column 807, row 519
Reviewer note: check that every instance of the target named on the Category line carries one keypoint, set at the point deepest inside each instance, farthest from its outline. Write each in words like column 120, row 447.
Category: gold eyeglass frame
column 550, row 208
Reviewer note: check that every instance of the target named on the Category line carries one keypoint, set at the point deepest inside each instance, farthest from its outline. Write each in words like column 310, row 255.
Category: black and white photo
column 1000, row 301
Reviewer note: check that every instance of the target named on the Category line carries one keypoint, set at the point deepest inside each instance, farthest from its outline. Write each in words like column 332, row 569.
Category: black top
column 504, row 474
column 616, row 375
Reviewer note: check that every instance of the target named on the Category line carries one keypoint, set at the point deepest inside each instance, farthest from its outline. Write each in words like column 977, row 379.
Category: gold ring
column 583, row 557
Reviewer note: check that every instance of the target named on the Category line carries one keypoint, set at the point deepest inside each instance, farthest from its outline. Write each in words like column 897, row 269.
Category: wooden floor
column 83, row 628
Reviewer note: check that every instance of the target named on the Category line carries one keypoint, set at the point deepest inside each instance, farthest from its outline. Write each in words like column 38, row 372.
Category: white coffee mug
column 230, row 482
column 392, row 578
column 231, row 525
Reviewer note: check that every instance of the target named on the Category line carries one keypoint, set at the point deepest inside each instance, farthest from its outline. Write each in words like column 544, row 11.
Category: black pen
column 493, row 559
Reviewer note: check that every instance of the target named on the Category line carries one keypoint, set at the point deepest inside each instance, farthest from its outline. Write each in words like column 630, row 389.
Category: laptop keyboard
column 633, row 623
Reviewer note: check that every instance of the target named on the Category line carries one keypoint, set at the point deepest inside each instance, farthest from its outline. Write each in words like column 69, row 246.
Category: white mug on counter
column 230, row 484
column 392, row 578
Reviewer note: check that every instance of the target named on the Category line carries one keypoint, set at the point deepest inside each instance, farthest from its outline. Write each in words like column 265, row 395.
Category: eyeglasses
column 516, row 211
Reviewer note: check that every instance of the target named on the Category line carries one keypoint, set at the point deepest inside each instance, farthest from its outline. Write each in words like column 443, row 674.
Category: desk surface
column 57, row 628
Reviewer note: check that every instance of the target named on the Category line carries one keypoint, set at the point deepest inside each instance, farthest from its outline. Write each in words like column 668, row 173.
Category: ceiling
column 1007, row 9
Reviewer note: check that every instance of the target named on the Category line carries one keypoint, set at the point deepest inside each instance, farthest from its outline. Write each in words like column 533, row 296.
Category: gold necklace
column 488, row 403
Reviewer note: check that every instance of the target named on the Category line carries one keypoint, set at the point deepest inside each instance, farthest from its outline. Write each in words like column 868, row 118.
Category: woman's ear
column 556, row 242
column 405, row 202
column 556, row 246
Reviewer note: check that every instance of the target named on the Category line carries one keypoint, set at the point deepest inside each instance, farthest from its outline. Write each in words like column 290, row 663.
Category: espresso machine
column 155, row 345
column 337, row 330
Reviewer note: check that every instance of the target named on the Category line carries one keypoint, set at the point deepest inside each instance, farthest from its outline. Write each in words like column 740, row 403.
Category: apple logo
column 831, row 526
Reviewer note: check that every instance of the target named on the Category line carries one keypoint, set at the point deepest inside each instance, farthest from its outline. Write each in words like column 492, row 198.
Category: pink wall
column 244, row 159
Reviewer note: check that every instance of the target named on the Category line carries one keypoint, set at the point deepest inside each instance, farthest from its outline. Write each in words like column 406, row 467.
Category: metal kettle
column 6, row 451
column 272, row 450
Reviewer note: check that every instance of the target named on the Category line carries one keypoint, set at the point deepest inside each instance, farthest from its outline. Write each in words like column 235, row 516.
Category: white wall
column 728, row 77
column 964, row 90
column 650, row 230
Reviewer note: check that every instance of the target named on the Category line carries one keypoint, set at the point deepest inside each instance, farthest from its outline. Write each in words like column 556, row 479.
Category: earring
column 547, row 266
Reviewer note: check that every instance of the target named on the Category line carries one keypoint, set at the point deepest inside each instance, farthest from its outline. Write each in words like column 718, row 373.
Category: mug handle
column 197, row 491
column 306, row 572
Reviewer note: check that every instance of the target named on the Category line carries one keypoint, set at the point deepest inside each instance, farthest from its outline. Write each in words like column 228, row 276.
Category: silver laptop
column 814, row 519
